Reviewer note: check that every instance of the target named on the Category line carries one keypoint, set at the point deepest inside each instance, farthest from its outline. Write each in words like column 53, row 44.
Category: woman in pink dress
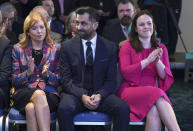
column 143, row 62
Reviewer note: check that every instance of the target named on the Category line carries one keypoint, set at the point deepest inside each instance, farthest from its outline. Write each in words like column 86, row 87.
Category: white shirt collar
column 93, row 40
column 93, row 46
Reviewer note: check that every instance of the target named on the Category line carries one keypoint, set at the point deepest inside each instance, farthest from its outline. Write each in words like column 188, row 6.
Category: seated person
column 35, row 73
column 143, row 61
column 5, row 69
column 117, row 30
column 70, row 26
column 14, row 25
column 54, row 24
column 88, row 75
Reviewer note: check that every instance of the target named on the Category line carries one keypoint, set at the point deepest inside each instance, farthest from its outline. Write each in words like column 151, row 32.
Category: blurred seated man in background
column 54, row 24
column 116, row 30
column 13, row 26
column 5, row 69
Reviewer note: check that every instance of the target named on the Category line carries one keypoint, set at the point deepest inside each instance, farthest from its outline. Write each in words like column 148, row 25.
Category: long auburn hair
column 134, row 38
column 29, row 22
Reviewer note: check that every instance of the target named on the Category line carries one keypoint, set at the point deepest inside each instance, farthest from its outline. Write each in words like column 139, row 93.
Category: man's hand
column 96, row 98
column 88, row 103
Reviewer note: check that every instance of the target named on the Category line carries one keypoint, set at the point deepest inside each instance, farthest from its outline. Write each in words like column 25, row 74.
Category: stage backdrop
column 186, row 25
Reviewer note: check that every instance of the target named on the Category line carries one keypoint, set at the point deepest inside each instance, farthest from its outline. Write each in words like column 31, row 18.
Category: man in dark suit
column 55, row 25
column 5, row 69
column 116, row 30
column 88, row 75
column 63, row 8
column 13, row 26
column 105, row 8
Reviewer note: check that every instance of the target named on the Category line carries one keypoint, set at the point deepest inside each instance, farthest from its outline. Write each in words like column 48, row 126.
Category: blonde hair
column 29, row 22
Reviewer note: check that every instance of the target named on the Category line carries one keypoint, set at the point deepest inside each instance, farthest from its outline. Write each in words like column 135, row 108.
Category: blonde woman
column 35, row 73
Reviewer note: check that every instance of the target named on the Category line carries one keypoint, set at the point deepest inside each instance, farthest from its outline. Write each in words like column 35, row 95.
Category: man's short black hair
column 125, row 2
column 93, row 14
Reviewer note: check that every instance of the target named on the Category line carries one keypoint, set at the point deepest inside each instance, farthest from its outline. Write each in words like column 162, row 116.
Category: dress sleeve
column 169, row 79
column 130, row 71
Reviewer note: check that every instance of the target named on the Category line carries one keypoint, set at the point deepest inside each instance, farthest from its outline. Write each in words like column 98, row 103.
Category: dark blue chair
column 5, row 125
column 1, row 112
column 1, row 119
column 15, row 119
column 93, row 118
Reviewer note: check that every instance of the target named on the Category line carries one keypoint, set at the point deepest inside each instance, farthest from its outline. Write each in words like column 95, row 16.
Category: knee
column 153, row 113
column 38, row 95
column 66, row 109
column 30, row 110
column 161, row 100
column 123, row 108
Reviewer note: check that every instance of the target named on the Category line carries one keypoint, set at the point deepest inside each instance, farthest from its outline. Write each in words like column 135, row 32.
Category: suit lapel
column 99, row 53
column 78, row 49
column 122, row 36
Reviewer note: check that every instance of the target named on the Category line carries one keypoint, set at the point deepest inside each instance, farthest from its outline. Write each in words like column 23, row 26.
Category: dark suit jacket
column 113, row 31
column 57, row 27
column 107, row 5
column 69, row 5
column 72, row 67
column 5, row 69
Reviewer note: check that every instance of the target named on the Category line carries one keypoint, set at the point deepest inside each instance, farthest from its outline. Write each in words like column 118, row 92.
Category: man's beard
column 83, row 34
column 125, row 20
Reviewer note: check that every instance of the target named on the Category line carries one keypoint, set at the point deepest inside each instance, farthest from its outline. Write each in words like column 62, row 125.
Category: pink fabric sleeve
column 130, row 72
column 169, row 79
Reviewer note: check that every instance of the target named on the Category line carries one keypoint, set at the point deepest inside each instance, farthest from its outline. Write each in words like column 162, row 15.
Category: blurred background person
column 105, row 8
column 5, row 69
column 54, row 24
column 70, row 26
column 13, row 26
column 117, row 30
column 63, row 8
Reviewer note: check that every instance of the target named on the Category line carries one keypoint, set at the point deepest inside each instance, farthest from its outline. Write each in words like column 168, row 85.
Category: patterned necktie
column 89, row 55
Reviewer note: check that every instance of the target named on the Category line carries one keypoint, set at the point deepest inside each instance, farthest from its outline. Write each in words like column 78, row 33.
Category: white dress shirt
column 93, row 46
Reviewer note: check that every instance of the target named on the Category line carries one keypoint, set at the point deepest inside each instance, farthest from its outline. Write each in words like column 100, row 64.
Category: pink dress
column 139, row 87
